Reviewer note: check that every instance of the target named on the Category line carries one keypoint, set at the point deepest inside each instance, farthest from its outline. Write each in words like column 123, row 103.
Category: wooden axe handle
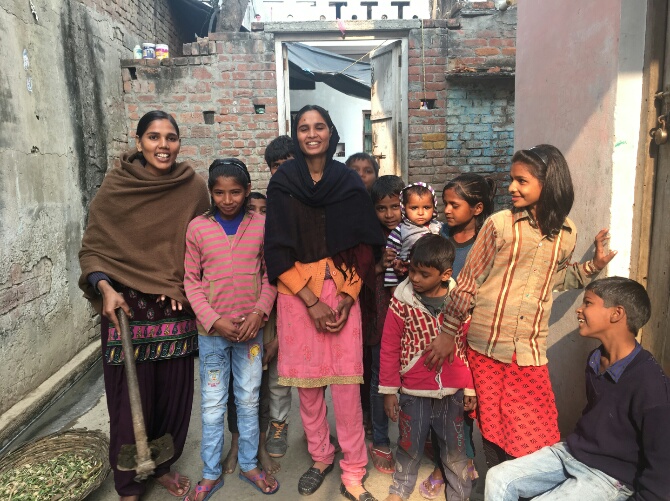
column 144, row 461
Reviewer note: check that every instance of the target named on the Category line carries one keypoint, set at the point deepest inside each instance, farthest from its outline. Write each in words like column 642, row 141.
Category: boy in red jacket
column 427, row 398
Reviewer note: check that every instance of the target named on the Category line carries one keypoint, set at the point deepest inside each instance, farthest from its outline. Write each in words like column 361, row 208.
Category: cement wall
column 60, row 116
column 574, row 59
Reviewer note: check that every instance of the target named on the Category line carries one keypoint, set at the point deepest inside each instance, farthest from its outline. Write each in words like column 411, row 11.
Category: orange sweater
column 312, row 275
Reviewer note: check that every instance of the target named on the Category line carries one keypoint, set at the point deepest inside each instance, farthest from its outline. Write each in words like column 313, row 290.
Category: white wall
column 303, row 10
column 578, row 86
column 346, row 112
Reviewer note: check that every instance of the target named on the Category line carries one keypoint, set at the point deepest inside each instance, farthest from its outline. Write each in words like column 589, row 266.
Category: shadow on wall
column 85, row 93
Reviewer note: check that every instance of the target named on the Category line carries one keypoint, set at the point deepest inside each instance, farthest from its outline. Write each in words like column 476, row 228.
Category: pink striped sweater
column 223, row 277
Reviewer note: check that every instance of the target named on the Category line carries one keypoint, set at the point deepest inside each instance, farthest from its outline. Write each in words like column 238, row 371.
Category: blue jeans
column 552, row 473
column 380, row 422
column 445, row 416
column 217, row 357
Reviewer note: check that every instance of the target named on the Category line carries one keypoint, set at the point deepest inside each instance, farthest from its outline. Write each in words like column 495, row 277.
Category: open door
column 388, row 105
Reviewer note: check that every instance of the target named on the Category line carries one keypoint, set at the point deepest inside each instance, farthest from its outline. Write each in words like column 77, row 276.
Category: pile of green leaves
column 61, row 478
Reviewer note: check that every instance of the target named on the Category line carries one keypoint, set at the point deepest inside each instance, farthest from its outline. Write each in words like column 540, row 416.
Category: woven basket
column 93, row 445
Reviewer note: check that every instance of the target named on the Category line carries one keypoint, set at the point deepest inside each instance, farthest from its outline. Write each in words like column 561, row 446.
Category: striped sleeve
column 268, row 294
column 475, row 271
column 573, row 275
column 394, row 241
column 193, row 280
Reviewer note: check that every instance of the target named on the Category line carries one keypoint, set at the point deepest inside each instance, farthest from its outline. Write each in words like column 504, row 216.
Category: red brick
column 487, row 51
column 509, row 51
column 201, row 73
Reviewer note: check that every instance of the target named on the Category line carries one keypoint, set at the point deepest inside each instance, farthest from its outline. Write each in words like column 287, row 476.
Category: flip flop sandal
column 433, row 483
column 208, row 489
column 377, row 456
column 174, row 481
column 256, row 478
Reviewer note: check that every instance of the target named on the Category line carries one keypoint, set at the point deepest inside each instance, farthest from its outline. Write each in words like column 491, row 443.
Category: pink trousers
column 349, row 424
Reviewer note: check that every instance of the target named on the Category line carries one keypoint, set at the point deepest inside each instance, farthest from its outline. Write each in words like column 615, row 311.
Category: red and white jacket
column 409, row 328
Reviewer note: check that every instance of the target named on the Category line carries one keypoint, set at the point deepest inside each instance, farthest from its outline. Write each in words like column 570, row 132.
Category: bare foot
column 230, row 463
column 176, row 484
column 269, row 465
column 199, row 496
column 320, row 466
column 266, row 484
column 393, row 497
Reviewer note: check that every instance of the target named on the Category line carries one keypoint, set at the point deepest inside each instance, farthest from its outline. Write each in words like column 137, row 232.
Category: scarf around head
column 136, row 231
column 402, row 205
column 350, row 224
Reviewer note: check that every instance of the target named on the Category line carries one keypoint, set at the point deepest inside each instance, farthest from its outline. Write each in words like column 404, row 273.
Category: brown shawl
column 136, row 231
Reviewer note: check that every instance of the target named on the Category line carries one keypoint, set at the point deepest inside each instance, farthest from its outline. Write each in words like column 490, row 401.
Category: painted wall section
column 577, row 64
column 60, row 115
column 346, row 112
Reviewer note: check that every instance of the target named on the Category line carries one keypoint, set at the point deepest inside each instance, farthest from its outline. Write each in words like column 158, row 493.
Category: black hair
column 257, row 196
column 311, row 107
column 227, row 167
column 433, row 251
column 627, row 293
column 474, row 189
column 386, row 186
column 418, row 190
column 280, row 148
column 363, row 157
column 549, row 166
column 152, row 116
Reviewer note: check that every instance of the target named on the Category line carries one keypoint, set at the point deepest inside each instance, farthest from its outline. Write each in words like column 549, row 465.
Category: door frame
column 328, row 31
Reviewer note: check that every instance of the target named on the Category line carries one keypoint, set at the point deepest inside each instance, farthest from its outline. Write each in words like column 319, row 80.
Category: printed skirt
column 516, row 408
column 158, row 332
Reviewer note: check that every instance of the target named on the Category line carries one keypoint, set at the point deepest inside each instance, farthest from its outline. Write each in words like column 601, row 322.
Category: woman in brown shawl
column 132, row 258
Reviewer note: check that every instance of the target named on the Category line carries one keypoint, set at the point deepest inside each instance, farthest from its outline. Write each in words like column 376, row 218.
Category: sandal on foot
column 207, row 489
column 364, row 496
column 312, row 479
column 172, row 485
column 256, row 478
column 433, row 484
column 382, row 461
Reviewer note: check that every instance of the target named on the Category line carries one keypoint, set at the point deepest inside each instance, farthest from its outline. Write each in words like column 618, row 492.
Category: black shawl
column 307, row 222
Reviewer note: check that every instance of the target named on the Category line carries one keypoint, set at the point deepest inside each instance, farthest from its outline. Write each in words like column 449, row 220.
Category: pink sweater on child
column 224, row 277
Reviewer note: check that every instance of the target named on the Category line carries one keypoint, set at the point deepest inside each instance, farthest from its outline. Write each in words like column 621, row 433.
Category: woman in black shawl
column 319, row 233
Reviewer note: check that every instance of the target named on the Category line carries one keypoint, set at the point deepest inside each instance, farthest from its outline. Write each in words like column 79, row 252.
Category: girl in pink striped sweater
column 228, row 288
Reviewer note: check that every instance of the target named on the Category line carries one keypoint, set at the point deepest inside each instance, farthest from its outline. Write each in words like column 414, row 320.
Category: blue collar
column 616, row 369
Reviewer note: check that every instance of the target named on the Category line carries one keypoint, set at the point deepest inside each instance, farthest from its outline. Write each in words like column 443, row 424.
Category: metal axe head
column 162, row 449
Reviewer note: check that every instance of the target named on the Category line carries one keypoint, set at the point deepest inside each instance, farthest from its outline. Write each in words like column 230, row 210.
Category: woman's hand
column 250, row 326
column 321, row 314
column 439, row 350
column 600, row 259
column 176, row 305
column 227, row 329
column 391, row 407
column 469, row 403
column 388, row 257
column 111, row 300
column 270, row 351
column 341, row 313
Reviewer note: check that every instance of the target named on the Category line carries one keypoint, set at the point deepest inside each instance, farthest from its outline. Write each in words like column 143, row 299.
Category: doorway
column 387, row 112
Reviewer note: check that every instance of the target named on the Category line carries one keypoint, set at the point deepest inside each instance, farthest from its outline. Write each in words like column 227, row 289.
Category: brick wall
column 156, row 21
column 457, row 122
column 226, row 77
column 469, row 123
